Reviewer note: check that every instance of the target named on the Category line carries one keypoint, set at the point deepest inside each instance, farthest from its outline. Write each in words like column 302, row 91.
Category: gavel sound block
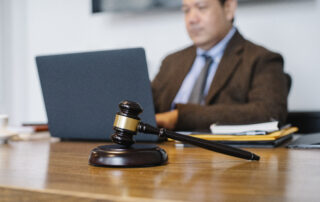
column 125, row 153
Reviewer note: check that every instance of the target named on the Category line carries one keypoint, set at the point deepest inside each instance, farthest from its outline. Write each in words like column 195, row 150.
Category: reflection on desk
column 38, row 170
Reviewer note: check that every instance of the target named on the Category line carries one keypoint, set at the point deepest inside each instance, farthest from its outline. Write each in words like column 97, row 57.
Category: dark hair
column 222, row 2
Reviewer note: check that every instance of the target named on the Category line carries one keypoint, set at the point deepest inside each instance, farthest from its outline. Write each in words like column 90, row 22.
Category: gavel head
column 126, row 123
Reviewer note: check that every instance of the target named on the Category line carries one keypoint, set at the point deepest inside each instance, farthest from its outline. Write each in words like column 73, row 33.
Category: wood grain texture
column 44, row 170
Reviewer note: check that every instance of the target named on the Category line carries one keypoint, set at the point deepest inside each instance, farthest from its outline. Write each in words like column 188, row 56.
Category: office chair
column 306, row 121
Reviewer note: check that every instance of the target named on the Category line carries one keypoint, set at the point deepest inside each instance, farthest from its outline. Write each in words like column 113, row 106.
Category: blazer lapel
column 184, row 68
column 230, row 60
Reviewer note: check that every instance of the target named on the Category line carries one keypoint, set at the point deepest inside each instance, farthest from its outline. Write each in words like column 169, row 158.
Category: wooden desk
column 44, row 170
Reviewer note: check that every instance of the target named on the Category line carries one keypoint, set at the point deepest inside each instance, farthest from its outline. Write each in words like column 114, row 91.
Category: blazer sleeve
column 267, row 99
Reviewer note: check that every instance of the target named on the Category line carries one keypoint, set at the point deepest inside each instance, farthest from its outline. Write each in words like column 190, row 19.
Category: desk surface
column 37, row 170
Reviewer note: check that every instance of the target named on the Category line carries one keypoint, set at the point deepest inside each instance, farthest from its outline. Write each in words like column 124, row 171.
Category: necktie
column 197, row 93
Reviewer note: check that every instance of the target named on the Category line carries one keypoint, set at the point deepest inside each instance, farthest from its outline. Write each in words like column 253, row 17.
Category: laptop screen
column 82, row 91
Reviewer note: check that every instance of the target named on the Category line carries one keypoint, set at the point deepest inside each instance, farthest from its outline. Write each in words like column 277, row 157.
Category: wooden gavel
column 127, row 124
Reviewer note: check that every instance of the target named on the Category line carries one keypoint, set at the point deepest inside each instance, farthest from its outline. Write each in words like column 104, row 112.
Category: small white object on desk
column 5, row 135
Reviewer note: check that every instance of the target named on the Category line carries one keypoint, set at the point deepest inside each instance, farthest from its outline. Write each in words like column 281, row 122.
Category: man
column 241, row 82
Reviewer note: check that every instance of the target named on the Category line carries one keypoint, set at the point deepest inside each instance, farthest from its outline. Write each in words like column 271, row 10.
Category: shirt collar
column 218, row 49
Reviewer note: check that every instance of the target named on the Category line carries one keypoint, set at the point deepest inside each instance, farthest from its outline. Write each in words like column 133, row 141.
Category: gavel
column 127, row 124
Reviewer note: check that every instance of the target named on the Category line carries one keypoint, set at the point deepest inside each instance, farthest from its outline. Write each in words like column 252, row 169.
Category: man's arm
column 159, row 84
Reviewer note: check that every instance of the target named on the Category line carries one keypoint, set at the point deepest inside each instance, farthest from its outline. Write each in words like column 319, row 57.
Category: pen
column 252, row 132
column 286, row 126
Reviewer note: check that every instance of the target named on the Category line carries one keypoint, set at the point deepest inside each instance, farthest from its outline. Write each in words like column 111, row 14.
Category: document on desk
column 247, row 129
column 229, row 137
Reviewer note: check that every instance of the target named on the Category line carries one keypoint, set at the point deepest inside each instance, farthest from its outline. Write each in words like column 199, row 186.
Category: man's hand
column 167, row 120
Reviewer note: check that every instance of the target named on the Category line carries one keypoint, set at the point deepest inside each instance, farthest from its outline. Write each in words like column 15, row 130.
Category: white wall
column 59, row 26
column 1, row 53
column 13, row 65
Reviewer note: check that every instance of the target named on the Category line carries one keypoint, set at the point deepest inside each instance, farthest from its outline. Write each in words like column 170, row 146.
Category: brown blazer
column 249, row 87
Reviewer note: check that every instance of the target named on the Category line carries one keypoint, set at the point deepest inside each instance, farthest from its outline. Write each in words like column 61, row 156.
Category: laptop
column 310, row 141
column 82, row 92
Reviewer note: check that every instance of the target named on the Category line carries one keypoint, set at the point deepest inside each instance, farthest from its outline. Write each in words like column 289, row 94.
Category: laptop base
column 137, row 155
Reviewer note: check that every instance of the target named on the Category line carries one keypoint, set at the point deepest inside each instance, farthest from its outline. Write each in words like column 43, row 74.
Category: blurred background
column 37, row 27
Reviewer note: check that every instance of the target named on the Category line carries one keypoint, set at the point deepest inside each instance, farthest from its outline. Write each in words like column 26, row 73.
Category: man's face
column 207, row 21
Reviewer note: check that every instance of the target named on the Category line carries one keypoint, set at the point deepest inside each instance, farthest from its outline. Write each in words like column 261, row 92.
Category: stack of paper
column 249, row 129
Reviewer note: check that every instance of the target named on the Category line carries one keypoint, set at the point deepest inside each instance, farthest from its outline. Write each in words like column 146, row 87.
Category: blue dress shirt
column 216, row 53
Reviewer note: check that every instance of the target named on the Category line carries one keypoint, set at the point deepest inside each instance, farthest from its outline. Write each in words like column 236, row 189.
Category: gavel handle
column 213, row 146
